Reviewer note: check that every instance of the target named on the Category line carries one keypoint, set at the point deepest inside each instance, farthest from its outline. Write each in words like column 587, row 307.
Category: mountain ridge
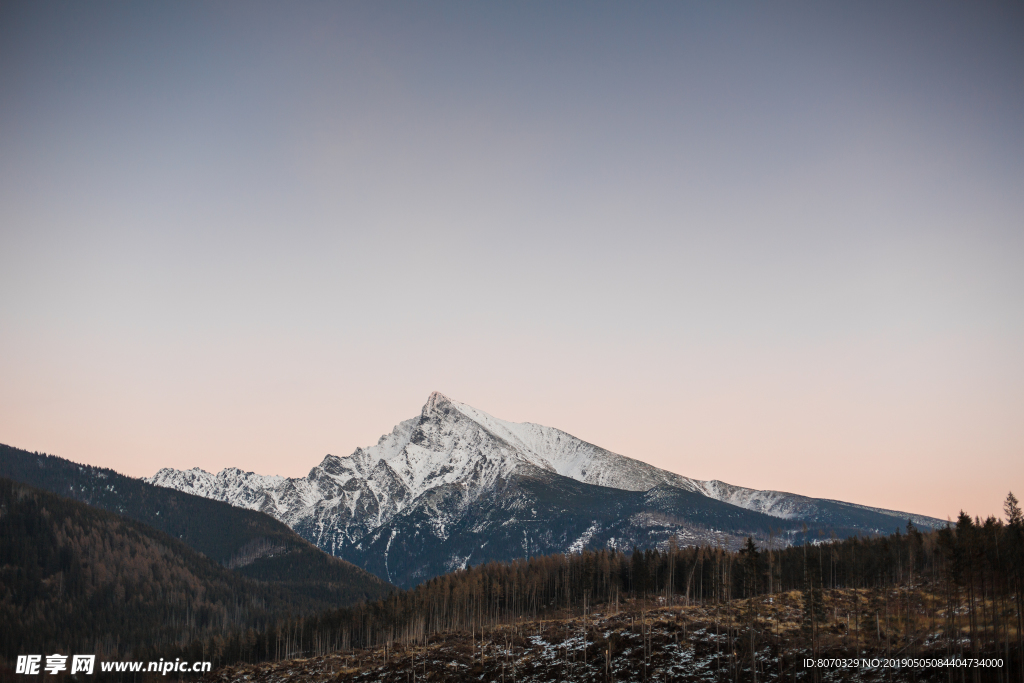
column 444, row 468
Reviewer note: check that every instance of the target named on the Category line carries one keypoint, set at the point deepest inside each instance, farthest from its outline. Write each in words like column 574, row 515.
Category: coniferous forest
column 74, row 577
column 80, row 579
column 756, row 614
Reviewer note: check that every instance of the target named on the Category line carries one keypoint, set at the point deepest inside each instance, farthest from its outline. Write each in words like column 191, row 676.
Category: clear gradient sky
column 777, row 244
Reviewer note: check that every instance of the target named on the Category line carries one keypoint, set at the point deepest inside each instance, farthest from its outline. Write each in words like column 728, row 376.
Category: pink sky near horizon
column 780, row 247
column 744, row 432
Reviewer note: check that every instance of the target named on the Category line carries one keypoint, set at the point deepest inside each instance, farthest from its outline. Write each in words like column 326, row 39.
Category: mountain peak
column 456, row 479
column 435, row 401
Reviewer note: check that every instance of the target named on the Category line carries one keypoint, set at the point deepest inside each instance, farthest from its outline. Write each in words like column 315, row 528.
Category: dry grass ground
column 761, row 639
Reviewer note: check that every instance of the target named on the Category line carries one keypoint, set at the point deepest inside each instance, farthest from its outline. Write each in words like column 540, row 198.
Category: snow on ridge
column 560, row 452
column 439, row 463
column 774, row 503
column 231, row 485
column 452, row 447
column 447, row 444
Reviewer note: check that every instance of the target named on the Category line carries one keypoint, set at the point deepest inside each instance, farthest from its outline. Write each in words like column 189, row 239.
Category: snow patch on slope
column 580, row 543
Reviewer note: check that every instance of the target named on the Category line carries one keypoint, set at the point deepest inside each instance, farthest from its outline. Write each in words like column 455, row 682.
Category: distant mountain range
column 456, row 486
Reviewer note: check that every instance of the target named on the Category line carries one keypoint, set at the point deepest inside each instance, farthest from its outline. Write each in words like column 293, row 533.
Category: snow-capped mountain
column 442, row 487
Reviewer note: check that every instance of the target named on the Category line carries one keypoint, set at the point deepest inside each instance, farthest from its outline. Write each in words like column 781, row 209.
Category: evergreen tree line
column 78, row 580
column 973, row 569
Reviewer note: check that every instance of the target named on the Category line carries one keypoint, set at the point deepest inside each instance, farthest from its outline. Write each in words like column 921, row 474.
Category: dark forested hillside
column 250, row 542
column 73, row 577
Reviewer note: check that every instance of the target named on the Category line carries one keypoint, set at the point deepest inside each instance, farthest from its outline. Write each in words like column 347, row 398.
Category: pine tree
column 751, row 561
column 1015, row 536
column 1012, row 509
